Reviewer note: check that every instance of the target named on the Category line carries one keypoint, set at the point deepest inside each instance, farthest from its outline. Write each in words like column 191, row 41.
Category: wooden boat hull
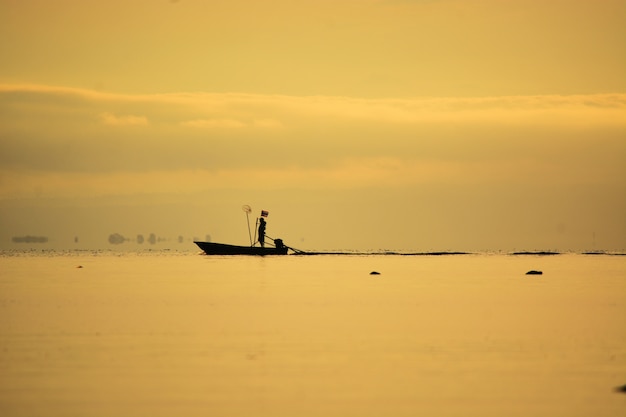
column 211, row 248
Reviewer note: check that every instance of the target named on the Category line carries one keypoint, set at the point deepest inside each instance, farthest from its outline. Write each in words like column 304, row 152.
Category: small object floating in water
column 533, row 272
column 621, row 389
column 79, row 266
column 374, row 273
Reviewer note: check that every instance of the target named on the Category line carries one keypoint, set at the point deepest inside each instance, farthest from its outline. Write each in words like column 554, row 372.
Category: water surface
column 163, row 334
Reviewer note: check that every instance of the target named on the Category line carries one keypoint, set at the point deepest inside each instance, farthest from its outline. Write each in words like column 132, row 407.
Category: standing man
column 262, row 232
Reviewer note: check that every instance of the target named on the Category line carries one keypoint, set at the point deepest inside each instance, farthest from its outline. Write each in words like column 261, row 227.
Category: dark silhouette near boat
column 262, row 225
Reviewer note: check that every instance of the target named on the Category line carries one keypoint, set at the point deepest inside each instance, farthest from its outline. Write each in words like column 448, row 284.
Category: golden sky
column 358, row 124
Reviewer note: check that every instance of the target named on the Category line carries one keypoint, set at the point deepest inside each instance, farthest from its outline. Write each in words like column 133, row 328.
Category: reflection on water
column 177, row 334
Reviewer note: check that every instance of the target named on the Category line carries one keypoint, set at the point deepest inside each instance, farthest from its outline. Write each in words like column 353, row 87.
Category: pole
column 248, row 209
column 256, row 226
column 249, row 234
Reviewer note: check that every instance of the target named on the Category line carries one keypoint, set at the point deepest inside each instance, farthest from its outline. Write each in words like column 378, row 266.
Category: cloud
column 129, row 120
column 214, row 123
column 311, row 141
column 236, row 110
column 346, row 174
column 267, row 123
column 232, row 124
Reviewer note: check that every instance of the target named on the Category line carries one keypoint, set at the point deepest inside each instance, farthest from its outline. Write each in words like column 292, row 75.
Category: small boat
column 211, row 248
column 278, row 248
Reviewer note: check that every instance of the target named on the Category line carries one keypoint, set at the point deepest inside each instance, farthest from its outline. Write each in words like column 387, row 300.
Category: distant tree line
column 116, row 239
column 30, row 239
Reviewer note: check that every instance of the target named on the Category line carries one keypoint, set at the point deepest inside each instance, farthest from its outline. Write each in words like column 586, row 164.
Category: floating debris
column 374, row 273
column 533, row 272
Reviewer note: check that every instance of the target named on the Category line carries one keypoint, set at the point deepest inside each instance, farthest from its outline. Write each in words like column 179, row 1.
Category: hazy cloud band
column 64, row 139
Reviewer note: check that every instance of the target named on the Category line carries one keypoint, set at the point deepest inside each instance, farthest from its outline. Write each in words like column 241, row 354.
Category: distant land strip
column 605, row 253
column 450, row 253
column 548, row 253
column 536, row 253
column 385, row 253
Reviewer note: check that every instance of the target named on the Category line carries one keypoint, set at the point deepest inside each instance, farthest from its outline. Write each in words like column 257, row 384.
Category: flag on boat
column 264, row 213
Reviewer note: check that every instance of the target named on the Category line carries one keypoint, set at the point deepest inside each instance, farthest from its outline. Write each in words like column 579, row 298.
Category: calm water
column 175, row 334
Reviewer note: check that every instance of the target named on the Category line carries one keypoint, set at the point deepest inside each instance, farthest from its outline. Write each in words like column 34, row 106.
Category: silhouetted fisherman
column 262, row 231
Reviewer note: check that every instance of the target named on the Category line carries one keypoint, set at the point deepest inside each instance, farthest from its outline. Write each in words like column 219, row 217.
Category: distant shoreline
column 117, row 250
